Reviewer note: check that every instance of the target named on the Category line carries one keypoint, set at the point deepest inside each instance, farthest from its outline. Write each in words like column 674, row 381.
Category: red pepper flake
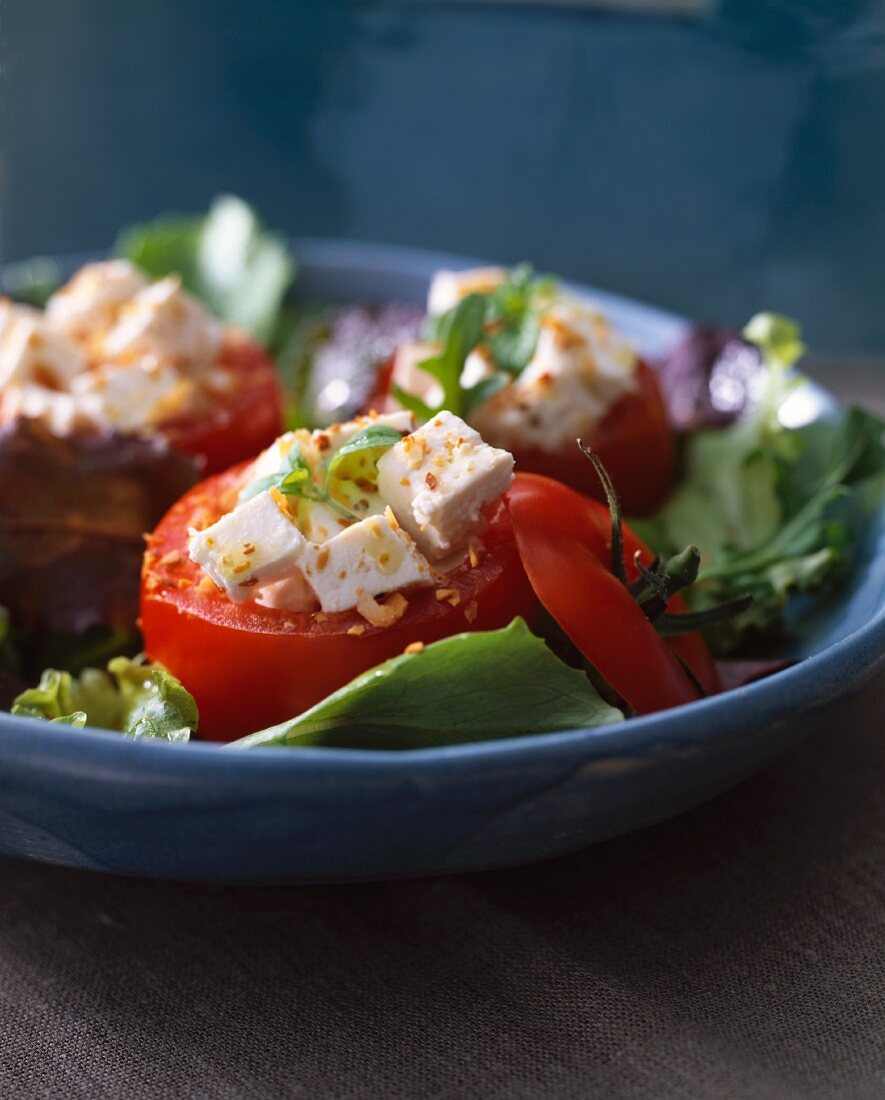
column 431, row 480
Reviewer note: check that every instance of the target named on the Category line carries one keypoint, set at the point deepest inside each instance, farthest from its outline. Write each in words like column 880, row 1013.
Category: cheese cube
column 33, row 352
column 437, row 481
column 89, row 303
column 367, row 559
column 131, row 397
column 166, row 321
column 253, row 544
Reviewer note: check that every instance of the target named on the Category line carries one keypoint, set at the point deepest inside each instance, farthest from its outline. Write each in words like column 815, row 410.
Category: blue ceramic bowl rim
column 817, row 679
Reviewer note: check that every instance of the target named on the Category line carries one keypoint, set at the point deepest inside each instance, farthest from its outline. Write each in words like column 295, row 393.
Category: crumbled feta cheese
column 368, row 558
column 134, row 396
column 33, row 352
column 438, row 479
column 58, row 411
column 447, row 288
column 580, row 367
column 88, row 305
column 255, row 543
column 166, row 321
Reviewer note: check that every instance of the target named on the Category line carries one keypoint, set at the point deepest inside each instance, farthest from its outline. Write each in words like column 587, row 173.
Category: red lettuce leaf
column 73, row 513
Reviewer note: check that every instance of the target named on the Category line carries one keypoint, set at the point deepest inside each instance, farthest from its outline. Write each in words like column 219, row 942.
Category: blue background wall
column 713, row 166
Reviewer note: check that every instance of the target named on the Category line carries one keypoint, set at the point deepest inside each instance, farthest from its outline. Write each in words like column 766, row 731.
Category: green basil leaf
column 470, row 687
column 377, row 437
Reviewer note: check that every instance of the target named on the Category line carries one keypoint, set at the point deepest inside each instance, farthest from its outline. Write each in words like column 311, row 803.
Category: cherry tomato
column 244, row 421
column 634, row 442
column 564, row 540
column 249, row 666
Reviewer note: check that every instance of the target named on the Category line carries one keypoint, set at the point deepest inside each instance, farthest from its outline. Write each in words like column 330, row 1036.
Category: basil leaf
column 470, row 687
column 377, row 437
column 240, row 270
column 134, row 698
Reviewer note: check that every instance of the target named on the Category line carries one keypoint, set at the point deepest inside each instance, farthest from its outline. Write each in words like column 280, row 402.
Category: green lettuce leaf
column 138, row 699
column 776, row 510
column 470, row 687
column 240, row 270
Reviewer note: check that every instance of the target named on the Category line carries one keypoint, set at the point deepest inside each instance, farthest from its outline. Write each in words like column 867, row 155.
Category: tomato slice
column 564, row 540
column 634, row 442
column 244, row 421
column 249, row 666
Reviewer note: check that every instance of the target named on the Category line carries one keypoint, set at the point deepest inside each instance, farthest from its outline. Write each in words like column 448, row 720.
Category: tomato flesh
column 249, row 667
column 633, row 440
column 248, row 418
column 564, row 540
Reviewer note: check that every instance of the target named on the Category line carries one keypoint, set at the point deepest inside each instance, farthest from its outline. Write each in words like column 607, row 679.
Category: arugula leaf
column 138, row 699
column 240, row 270
column 470, row 687
column 504, row 320
column 459, row 331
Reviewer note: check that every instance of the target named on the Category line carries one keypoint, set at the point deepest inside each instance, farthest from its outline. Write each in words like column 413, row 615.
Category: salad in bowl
column 516, row 525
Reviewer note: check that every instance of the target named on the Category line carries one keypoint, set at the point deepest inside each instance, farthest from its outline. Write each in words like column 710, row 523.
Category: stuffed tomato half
column 534, row 367
column 115, row 353
column 269, row 586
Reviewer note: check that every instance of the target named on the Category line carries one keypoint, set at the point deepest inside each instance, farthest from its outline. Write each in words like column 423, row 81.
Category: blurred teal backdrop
column 712, row 165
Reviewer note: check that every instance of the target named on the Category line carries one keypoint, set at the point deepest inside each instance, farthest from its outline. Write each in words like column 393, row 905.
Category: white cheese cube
column 447, row 288
column 33, row 352
column 132, row 397
column 437, row 481
column 165, row 321
column 253, row 544
column 89, row 303
column 367, row 559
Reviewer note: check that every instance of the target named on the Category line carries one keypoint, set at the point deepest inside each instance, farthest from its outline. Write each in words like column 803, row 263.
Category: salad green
column 132, row 697
column 505, row 320
column 239, row 269
column 778, row 510
column 469, row 687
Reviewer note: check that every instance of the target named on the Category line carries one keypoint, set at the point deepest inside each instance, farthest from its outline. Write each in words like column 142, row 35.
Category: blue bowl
column 88, row 798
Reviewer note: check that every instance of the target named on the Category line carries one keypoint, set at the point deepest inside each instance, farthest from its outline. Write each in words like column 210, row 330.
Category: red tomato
column 249, row 667
column 564, row 540
column 634, row 442
column 242, row 423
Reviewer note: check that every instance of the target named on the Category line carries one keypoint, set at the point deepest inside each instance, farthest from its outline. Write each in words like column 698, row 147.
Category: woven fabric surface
column 737, row 951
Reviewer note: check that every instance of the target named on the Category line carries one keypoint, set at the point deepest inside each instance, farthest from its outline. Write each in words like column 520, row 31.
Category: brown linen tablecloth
column 737, row 951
